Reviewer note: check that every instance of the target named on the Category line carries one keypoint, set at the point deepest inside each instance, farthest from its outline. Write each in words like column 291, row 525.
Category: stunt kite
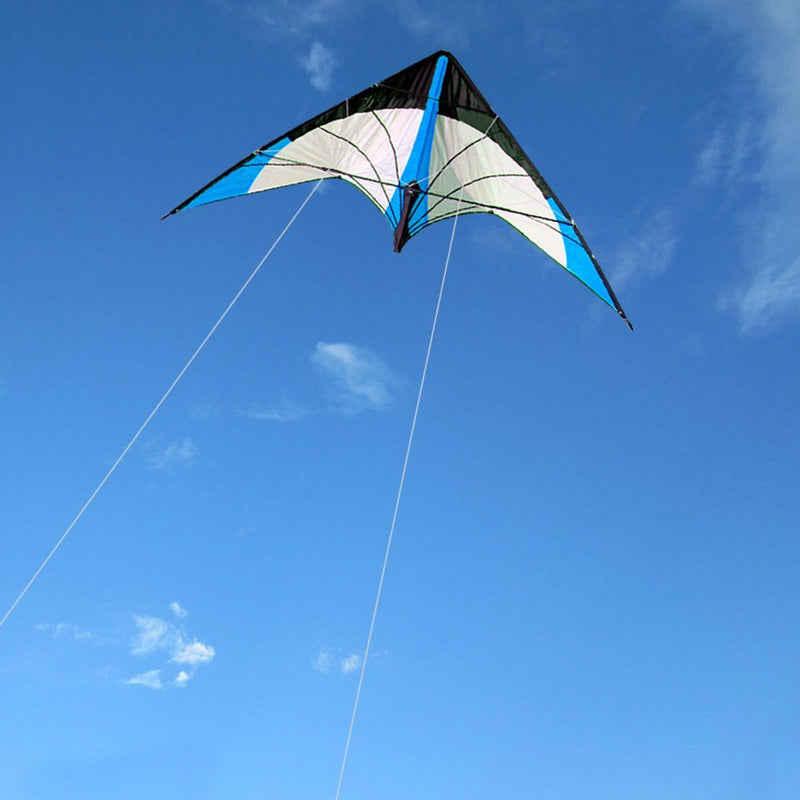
column 422, row 145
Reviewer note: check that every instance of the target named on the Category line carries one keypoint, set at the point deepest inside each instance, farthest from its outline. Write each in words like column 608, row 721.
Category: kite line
column 396, row 506
column 159, row 404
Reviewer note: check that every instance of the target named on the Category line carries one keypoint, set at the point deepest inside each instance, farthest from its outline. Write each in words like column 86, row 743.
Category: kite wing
column 423, row 145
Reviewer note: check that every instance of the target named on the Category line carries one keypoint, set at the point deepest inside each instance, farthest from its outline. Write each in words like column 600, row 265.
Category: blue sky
column 593, row 587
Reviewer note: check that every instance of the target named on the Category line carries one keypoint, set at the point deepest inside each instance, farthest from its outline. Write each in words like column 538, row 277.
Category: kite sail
column 422, row 145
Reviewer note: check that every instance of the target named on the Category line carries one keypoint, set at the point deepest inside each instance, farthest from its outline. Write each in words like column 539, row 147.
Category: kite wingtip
column 627, row 321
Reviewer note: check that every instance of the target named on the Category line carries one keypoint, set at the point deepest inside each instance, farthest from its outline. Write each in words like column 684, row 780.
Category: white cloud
column 323, row 12
column 772, row 295
column 726, row 156
column 298, row 18
column 646, row 252
column 767, row 33
column 178, row 453
column 63, row 630
column 285, row 411
column 434, row 20
column 361, row 379
column 329, row 659
column 350, row 663
column 182, row 679
column 428, row 20
column 155, row 639
column 150, row 679
column 155, row 635
column 319, row 64
column 193, row 653
column 206, row 410
column 178, row 610
column 324, row 661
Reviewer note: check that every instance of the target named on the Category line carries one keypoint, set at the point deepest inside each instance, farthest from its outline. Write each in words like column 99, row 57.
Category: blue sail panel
column 418, row 165
column 579, row 262
column 239, row 180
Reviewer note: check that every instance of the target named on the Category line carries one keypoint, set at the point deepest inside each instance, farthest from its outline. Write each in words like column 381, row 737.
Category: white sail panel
column 495, row 182
column 368, row 149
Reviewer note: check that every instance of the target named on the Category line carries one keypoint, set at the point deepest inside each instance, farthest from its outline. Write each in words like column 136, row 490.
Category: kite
column 423, row 145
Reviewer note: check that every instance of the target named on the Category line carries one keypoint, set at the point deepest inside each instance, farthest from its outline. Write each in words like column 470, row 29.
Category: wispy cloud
column 350, row 663
column 182, row 679
column 155, row 635
column 768, row 35
column 285, row 411
column 155, row 639
column 193, row 653
column 150, row 679
column 726, row 156
column 175, row 454
column 319, row 64
column 646, row 252
column 324, row 662
column 178, row 610
column 300, row 18
column 330, row 660
column 771, row 296
column 434, row 20
column 63, row 630
column 360, row 379
column 205, row 410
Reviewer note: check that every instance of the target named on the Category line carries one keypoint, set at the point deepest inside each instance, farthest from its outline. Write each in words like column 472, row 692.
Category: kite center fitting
column 411, row 193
